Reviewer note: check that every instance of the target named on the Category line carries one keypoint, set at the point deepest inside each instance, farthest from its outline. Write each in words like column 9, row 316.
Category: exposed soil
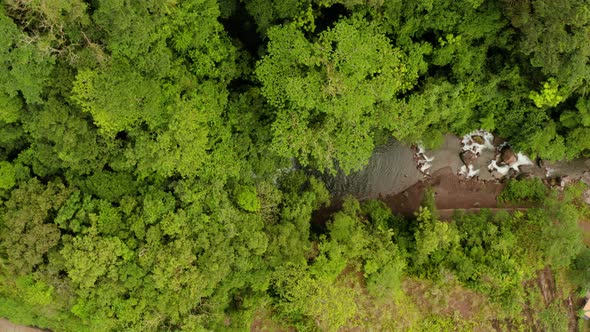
column 545, row 283
column 455, row 300
column 573, row 303
column 585, row 226
column 263, row 323
column 394, row 176
column 451, row 193
column 7, row 326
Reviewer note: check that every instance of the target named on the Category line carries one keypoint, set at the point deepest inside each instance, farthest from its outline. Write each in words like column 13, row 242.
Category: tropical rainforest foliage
column 147, row 151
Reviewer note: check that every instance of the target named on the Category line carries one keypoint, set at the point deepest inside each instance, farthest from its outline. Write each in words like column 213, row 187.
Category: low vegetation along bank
column 146, row 151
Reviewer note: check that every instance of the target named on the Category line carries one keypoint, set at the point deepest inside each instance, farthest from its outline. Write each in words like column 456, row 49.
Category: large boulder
column 498, row 141
column 554, row 181
column 478, row 139
column 468, row 157
column 508, row 157
column 497, row 175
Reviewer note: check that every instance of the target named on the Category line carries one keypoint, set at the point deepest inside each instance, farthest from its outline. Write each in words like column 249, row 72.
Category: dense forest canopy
column 146, row 152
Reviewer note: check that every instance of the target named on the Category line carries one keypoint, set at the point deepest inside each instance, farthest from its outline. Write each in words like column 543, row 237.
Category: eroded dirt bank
column 7, row 326
column 465, row 173
column 451, row 192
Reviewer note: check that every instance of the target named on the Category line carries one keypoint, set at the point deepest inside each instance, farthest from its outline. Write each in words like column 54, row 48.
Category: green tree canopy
column 327, row 92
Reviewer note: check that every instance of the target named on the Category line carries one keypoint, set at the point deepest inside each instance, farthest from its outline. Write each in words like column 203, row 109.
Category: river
column 393, row 174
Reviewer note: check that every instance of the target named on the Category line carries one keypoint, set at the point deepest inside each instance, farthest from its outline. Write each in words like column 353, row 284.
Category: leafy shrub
column 554, row 318
column 7, row 175
column 526, row 190
column 248, row 199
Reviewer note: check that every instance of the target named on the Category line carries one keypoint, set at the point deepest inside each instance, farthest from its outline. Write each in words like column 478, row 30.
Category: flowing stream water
column 393, row 168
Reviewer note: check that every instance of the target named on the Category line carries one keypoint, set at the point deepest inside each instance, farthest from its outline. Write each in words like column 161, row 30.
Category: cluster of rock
column 485, row 157
column 490, row 158
column 423, row 162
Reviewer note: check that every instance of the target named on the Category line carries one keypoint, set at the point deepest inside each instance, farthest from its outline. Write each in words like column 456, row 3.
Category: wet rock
column 533, row 171
column 523, row 176
column 478, row 139
column 512, row 173
column 508, row 156
column 565, row 180
column 497, row 175
column 468, row 157
column 484, row 175
column 554, row 181
column 498, row 141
